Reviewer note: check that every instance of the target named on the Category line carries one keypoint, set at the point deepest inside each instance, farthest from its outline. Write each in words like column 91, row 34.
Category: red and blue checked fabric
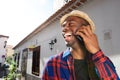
column 61, row 67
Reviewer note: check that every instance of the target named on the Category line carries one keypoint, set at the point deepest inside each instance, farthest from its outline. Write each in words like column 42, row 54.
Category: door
column 24, row 62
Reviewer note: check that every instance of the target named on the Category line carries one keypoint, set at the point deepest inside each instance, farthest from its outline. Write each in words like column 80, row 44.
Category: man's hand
column 89, row 38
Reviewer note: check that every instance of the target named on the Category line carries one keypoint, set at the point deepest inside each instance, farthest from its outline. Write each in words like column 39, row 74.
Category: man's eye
column 71, row 24
column 63, row 26
column 69, row 35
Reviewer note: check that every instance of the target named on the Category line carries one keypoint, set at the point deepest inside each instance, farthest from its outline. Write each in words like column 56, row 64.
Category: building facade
column 46, row 40
column 9, row 51
column 3, row 43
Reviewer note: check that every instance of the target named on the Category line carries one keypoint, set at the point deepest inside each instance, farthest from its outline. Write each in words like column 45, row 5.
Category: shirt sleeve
column 49, row 72
column 105, row 67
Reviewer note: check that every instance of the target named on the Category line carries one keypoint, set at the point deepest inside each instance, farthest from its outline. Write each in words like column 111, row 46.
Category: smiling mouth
column 67, row 34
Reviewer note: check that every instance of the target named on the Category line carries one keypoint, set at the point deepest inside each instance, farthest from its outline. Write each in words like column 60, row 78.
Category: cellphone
column 80, row 39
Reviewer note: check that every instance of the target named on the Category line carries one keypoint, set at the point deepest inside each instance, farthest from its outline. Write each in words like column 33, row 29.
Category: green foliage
column 12, row 69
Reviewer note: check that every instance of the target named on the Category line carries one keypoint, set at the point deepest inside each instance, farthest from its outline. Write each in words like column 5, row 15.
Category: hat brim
column 81, row 15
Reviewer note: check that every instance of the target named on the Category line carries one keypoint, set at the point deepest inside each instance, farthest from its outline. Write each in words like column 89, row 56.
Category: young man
column 83, row 60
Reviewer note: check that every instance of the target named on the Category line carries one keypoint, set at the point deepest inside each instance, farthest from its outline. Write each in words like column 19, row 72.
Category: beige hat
column 81, row 15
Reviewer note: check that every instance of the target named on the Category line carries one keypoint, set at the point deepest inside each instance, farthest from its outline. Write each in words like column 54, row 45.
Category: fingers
column 84, row 31
column 89, row 38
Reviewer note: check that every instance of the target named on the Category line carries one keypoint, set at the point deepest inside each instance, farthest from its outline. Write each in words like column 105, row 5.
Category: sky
column 18, row 18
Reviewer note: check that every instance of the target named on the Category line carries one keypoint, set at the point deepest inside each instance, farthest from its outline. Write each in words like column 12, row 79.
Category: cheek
column 73, row 29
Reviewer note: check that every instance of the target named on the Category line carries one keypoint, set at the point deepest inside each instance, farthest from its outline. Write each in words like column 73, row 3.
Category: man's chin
column 68, row 45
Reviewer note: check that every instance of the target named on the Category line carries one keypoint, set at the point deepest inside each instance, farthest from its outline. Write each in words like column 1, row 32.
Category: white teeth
column 68, row 34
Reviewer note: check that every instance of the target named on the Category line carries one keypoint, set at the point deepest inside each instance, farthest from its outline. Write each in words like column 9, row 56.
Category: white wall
column 43, row 39
column 106, row 15
column 2, row 49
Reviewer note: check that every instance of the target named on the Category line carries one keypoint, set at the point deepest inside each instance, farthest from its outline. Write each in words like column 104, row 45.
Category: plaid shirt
column 61, row 67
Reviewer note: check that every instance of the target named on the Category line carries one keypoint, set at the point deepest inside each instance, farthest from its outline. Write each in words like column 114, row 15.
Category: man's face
column 69, row 28
column 69, row 39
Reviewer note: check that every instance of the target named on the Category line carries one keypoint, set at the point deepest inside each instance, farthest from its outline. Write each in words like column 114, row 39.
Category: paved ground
column 1, row 79
column 16, row 78
column 22, row 78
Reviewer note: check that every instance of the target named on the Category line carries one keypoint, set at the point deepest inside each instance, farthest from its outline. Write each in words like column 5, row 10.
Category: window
column 5, row 44
column 24, row 62
column 15, row 57
column 36, row 61
column 18, row 59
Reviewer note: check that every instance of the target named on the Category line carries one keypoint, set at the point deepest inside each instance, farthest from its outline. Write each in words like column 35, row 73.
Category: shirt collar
column 66, row 53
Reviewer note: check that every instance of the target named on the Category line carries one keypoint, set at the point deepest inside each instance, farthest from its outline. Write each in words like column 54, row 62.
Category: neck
column 78, row 52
